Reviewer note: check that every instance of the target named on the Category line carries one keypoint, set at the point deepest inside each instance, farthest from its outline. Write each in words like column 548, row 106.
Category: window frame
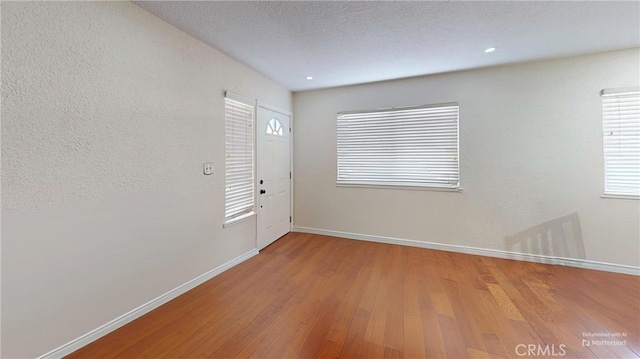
column 432, row 113
column 249, row 136
column 610, row 118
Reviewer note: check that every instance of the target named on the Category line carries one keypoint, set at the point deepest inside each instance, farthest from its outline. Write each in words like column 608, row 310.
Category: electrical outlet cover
column 208, row 168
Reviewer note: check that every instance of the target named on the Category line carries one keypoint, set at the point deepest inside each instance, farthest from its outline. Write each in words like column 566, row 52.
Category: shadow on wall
column 561, row 237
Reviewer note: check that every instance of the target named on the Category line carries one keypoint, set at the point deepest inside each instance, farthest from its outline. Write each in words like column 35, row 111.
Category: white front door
column 274, row 176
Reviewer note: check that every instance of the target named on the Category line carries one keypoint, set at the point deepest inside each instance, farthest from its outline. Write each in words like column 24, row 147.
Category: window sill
column 620, row 196
column 239, row 219
column 401, row 187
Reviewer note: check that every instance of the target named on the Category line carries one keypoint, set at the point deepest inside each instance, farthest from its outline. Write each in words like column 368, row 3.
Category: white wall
column 530, row 149
column 108, row 114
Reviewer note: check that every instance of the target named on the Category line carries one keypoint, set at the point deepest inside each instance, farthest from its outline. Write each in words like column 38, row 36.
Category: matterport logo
column 604, row 339
column 539, row 350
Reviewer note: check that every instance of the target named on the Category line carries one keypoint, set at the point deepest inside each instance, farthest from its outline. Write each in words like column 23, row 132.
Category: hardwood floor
column 310, row 296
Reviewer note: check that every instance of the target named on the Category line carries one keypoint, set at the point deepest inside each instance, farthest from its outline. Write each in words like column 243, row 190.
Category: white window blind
column 621, row 139
column 411, row 147
column 239, row 158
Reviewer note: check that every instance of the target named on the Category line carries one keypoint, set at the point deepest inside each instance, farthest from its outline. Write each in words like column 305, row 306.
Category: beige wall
column 108, row 114
column 530, row 150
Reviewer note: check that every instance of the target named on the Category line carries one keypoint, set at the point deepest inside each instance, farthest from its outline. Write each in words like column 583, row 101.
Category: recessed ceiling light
column 491, row 49
column 309, row 77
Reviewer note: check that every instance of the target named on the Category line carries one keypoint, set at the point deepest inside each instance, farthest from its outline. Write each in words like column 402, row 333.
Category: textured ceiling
column 343, row 42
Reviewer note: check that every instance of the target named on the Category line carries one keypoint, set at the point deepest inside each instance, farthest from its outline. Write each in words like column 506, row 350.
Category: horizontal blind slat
column 621, row 140
column 408, row 147
column 239, row 157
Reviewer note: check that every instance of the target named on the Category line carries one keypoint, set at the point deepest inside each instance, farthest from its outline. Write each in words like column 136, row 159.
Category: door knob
column 262, row 191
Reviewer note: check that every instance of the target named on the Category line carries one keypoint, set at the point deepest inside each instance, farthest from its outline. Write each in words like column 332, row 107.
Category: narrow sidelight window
column 239, row 159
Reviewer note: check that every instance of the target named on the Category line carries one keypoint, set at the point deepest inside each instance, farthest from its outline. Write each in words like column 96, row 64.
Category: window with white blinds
column 621, row 139
column 408, row 147
column 239, row 158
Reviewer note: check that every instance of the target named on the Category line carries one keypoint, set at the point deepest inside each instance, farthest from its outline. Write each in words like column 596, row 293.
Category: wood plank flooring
column 311, row 296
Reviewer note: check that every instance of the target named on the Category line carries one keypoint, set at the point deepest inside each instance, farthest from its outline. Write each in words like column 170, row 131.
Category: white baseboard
column 126, row 318
column 571, row 262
